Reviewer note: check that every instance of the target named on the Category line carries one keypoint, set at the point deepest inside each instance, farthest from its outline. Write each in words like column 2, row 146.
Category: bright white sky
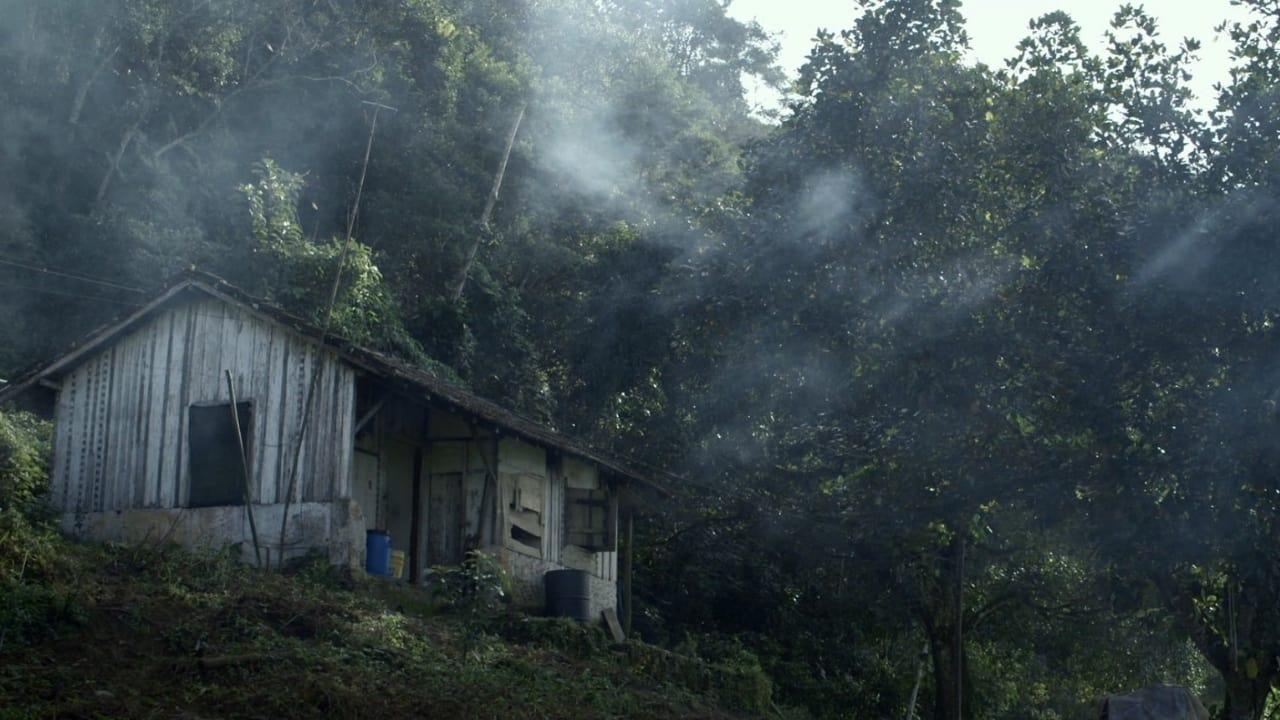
column 996, row 26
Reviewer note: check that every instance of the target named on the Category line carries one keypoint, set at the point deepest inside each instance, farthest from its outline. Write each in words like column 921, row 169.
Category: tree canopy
column 969, row 370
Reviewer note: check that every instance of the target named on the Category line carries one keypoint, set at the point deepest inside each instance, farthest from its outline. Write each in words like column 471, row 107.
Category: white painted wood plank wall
column 121, row 416
column 516, row 458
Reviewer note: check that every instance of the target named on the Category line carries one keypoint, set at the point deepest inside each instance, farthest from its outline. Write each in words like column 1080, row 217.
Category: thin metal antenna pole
column 460, row 282
column 325, row 325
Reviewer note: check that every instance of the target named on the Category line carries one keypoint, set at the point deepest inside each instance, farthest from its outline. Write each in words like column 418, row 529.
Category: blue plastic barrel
column 377, row 552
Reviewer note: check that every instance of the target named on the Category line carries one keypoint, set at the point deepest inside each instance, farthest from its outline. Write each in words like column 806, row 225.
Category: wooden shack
column 145, row 449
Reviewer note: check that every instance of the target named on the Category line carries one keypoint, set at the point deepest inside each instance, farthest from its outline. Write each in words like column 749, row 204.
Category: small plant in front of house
column 24, row 465
column 479, row 584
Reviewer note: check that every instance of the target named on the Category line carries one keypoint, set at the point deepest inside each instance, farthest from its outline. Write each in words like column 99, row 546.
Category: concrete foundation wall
column 334, row 528
column 528, row 590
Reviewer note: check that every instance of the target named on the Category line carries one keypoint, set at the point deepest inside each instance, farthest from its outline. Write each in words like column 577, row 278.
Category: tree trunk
column 952, row 699
column 1245, row 699
column 1244, row 649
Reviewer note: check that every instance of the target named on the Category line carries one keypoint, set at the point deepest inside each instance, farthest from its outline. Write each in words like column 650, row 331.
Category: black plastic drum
column 569, row 594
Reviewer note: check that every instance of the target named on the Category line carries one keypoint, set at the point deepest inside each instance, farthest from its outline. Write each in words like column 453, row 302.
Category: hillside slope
column 89, row 630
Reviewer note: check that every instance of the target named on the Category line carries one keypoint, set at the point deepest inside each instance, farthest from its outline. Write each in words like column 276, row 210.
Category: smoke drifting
column 944, row 336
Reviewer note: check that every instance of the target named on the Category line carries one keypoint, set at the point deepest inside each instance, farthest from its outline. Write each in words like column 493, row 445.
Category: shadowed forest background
column 968, row 369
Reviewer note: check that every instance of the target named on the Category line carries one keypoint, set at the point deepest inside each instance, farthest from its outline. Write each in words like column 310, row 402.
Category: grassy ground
column 98, row 631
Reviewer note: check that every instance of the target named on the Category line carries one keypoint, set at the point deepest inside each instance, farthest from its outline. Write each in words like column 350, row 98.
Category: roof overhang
column 410, row 380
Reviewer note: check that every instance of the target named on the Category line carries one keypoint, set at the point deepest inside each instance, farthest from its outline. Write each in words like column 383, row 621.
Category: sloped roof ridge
column 367, row 358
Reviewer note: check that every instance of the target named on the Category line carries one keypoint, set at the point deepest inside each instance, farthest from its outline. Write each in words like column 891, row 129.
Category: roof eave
column 367, row 360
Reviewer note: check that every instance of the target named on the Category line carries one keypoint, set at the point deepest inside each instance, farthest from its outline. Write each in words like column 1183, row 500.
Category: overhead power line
column 72, row 276
column 78, row 296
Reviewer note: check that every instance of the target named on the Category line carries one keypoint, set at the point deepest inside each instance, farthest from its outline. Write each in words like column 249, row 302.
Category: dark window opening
column 216, row 474
column 525, row 515
column 369, row 402
column 590, row 519
column 526, row 538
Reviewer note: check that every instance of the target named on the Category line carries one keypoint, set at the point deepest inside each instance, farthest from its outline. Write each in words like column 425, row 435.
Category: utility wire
column 77, row 296
column 73, row 276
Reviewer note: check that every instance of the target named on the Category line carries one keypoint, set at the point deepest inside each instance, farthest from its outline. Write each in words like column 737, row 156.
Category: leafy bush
column 298, row 272
column 479, row 584
column 31, row 604
column 577, row 639
column 24, row 464
column 32, row 611
column 740, row 683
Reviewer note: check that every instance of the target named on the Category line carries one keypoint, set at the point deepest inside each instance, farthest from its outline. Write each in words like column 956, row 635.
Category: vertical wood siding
column 121, row 434
column 517, row 458
column 577, row 474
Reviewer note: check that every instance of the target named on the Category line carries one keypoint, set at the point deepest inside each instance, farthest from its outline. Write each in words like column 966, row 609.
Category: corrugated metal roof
column 409, row 380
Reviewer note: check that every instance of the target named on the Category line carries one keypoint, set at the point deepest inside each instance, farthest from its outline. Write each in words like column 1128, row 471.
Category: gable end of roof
column 376, row 363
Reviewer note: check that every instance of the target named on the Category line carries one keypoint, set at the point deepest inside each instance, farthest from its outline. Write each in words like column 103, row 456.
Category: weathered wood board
column 122, row 413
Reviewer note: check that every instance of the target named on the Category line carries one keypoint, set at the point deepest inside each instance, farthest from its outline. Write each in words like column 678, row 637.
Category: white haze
column 996, row 26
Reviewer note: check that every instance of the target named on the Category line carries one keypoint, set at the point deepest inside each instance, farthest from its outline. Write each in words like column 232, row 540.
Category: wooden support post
column 627, row 569
column 464, row 543
column 415, row 526
column 477, row 538
column 492, row 463
column 380, row 480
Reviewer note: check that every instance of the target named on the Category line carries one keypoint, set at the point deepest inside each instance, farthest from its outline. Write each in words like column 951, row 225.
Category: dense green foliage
column 969, row 360
column 24, row 464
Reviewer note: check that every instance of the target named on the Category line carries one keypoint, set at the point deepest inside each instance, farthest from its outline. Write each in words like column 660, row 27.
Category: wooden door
column 444, row 519
column 364, row 487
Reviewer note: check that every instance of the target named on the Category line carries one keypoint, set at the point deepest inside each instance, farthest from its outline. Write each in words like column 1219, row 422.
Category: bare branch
column 114, row 166
column 83, row 93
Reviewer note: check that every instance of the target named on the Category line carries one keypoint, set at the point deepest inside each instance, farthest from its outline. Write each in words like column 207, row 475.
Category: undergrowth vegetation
column 24, row 463
column 115, row 631
column 92, row 630
column 968, row 368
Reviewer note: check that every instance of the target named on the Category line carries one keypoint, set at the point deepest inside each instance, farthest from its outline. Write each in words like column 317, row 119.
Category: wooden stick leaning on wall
column 314, row 385
column 244, row 468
